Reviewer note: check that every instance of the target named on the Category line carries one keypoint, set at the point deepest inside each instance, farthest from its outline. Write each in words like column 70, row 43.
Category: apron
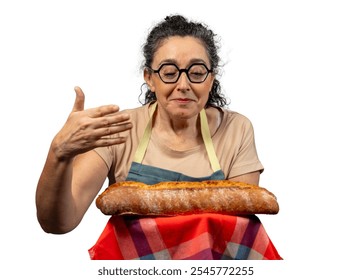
column 151, row 175
column 187, row 237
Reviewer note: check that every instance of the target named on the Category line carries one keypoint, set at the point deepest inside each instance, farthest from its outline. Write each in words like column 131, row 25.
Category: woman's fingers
column 112, row 129
column 102, row 111
column 87, row 129
column 110, row 120
column 109, row 141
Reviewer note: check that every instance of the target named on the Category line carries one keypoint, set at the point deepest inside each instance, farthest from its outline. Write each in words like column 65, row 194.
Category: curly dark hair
column 177, row 25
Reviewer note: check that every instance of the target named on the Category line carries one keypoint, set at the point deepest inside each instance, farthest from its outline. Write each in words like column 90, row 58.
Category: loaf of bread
column 179, row 198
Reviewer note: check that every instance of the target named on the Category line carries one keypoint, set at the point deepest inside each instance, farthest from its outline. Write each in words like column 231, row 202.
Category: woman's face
column 182, row 99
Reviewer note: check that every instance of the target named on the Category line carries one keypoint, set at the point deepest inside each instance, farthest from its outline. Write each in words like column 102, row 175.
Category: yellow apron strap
column 204, row 126
column 143, row 144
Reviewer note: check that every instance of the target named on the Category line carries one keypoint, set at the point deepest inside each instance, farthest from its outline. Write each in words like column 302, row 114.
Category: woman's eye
column 197, row 73
column 170, row 73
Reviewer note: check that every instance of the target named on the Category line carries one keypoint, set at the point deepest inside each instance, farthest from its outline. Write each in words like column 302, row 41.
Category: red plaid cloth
column 190, row 237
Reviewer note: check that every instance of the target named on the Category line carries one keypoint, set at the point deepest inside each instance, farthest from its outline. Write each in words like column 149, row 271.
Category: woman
column 181, row 64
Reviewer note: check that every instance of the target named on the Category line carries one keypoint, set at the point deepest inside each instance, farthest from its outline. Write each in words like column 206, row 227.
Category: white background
column 287, row 67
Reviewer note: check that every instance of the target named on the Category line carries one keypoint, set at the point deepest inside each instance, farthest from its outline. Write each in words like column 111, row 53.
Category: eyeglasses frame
column 180, row 71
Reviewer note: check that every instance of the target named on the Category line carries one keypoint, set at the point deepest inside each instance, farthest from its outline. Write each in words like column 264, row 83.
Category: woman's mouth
column 183, row 100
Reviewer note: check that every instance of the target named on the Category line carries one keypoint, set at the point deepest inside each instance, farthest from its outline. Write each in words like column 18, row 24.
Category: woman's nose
column 183, row 82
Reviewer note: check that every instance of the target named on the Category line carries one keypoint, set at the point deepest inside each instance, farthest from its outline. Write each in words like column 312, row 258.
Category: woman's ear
column 148, row 79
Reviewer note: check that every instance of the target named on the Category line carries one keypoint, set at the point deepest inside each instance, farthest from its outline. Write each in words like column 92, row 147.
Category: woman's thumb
column 79, row 102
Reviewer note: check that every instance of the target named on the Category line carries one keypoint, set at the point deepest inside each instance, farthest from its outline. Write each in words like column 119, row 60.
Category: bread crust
column 180, row 198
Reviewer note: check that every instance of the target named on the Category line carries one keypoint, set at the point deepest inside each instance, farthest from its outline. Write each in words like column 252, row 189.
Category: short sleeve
column 246, row 160
column 235, row 145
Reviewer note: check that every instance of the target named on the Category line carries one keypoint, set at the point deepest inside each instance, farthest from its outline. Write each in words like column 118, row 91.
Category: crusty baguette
column 178, row 198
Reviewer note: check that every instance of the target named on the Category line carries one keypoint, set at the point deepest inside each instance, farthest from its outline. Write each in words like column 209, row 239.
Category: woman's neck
column 179, row 134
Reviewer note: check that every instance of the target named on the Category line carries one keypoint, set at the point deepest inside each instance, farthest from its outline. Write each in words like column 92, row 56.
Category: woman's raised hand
column 87, row 129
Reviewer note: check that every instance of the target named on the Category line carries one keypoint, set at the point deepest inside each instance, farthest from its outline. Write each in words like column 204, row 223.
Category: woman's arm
column 73, row 173
column 249, row 178
column 66, row 189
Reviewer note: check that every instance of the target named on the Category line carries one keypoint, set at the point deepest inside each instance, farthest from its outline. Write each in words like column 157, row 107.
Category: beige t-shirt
column 233, row 142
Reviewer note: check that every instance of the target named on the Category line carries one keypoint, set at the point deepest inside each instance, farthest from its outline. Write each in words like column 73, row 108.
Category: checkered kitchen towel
column 189, row 237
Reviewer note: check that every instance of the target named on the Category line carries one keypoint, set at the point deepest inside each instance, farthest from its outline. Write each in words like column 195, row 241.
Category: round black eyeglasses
column 169, row 73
